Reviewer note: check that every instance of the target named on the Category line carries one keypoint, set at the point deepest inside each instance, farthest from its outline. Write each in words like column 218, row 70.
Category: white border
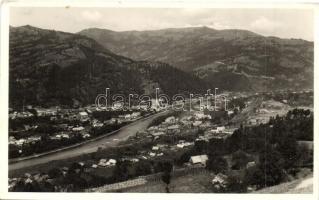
column 5, row 5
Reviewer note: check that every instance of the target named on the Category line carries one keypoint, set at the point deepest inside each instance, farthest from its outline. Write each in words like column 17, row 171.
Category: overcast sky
column 284, row 23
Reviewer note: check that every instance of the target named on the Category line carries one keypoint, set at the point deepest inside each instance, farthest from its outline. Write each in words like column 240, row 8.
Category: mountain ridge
column 288, row 61
column 48, row 68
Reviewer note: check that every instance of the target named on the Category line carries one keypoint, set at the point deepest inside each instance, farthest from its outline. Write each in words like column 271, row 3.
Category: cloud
column 91, row 15
column 263, row 24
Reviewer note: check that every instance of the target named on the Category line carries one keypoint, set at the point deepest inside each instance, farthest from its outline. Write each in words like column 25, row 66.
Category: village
column 170, row 137
column 63, row 126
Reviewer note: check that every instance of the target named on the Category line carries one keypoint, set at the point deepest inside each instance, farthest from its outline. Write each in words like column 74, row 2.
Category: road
column 306, row 183
column 109, row 141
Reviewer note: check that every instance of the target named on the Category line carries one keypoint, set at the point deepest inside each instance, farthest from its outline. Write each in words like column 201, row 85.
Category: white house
column 220, row 128
column 200, row 159
column 158, row 134
column 173, row 128
column 84, row 116
column 155, row 148
column 80, row 128
column 136, row 114
column 111, row 162
column 170, row 120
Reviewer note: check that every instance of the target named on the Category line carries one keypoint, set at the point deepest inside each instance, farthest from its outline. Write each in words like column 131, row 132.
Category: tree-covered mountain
column 229, row 59
column 48, row 67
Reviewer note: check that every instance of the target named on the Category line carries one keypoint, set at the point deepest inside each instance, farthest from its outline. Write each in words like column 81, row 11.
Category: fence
column 152, row 178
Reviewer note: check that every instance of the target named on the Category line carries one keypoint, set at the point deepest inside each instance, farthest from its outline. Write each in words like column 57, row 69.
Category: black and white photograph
column 160, row 100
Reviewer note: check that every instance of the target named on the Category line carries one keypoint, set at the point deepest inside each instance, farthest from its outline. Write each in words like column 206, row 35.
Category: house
column 155, row 148
column 135, row 114
column 86, row 135
column 46, row 112
column 58, row 136
column 97, row 123
column 200, row 159
column 220, row 181
column 186, row 123
column 153, row 128
column 27, row 127
column 80, row 128
column 102, row 163
column 134, row 160
column 12, row 140
column 205, row 125
column 65, row 169
column 152, row 154
column 65, row 136
column 173, row 129
column 20, row 142
column 186, row 144
column 20, row 115
column 182, row 144
column 230, row 112
column 251, row 164
column 200, row 116
column 111, row 162
column 83, row 116
column 252, row 122
column 156, row 134
column 111, row 121
column 263, row 111
column 197, row 123
column 117, row 106
column 220, row 128
column 202, row 138
column 170, row 120
column 127, row 116
column 33, row 139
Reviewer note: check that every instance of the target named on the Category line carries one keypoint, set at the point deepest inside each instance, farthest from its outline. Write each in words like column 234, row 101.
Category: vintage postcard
column 172, row 98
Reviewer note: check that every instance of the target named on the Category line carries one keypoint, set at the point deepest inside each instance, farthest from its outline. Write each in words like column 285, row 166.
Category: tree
column 185, row 157
column 269, row 171
column 236, row 185
column 288, row 149
column 166, row 177
column 74, row 166
column 121, row 172
column 54, row 173
column 200, row 146
column 216, row 164
column 239, row 159
column 143, row 168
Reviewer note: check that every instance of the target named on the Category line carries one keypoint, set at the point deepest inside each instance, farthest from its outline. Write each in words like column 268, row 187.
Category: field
column 199, row 183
